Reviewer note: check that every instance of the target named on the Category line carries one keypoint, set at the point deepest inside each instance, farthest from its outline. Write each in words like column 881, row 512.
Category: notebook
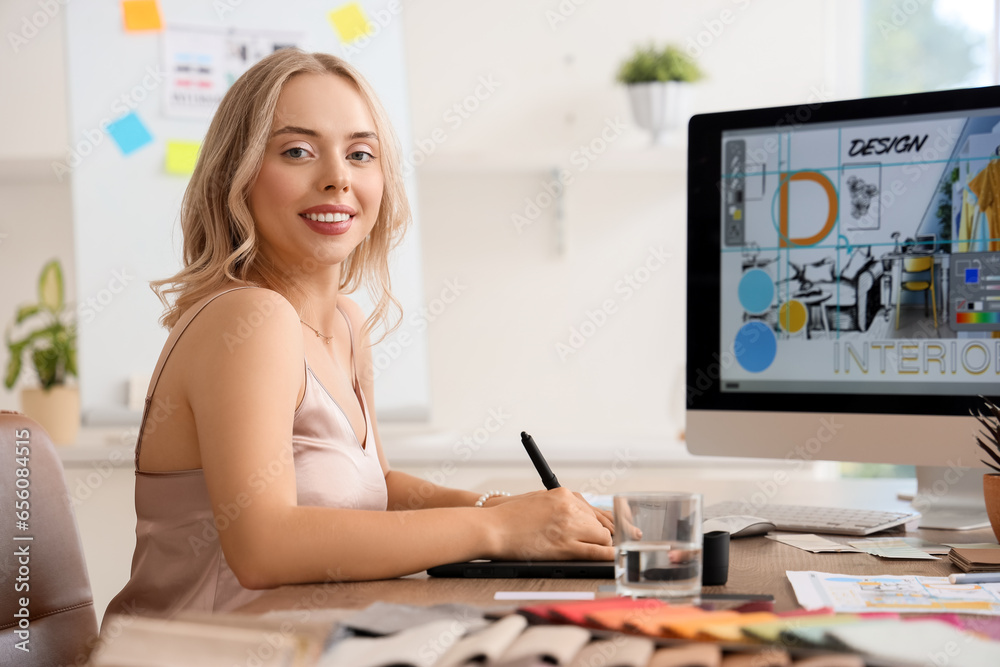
column 538, row 569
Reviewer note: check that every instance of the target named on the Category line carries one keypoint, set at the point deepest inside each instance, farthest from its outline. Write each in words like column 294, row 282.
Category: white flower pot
column 56, row 410
column 660, row 106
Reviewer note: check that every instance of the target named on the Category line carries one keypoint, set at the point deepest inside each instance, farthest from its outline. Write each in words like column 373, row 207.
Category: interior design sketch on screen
column 845, row 242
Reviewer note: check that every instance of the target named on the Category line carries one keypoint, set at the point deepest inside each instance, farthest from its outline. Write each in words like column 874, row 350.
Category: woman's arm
column 243, row 399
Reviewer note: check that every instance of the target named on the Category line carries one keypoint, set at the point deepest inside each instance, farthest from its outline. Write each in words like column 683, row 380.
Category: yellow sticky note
column 141, row 15
column 182, row 156
column 350, row 22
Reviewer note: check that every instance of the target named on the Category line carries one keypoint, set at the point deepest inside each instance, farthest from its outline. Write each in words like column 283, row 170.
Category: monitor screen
column 844, row 278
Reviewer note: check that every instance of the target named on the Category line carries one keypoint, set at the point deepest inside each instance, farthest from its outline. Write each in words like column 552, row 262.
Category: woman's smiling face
column 318, row 191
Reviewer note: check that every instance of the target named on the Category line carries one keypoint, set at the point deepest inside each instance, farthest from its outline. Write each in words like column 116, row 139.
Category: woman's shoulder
column 236, row 299
column 238, row 316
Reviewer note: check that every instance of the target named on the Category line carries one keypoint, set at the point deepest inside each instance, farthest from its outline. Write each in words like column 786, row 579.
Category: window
column 920, row 45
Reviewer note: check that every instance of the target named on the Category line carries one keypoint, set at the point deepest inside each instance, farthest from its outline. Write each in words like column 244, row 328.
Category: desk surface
column 757, row 564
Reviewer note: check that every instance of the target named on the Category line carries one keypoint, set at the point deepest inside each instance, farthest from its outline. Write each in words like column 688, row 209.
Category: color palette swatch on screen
column 977, row 318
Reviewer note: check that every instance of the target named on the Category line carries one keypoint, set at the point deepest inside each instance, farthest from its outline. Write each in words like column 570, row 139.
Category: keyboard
column 809, row 519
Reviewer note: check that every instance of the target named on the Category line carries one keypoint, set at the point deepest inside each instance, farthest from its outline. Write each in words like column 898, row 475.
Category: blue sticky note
column 129, row 133
column 971, row 276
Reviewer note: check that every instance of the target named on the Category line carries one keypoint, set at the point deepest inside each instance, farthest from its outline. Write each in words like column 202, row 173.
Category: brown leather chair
column 46, row 605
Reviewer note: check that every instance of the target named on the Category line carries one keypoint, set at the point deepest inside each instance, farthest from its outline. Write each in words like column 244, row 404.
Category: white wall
column 35, row 208
column 496, row 345
column 545, row 83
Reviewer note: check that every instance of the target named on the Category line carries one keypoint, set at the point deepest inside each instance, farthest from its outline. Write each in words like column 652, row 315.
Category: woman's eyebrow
column 293, row 129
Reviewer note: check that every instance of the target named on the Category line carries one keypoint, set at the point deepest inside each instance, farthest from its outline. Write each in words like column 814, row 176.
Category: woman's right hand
column 549, row 525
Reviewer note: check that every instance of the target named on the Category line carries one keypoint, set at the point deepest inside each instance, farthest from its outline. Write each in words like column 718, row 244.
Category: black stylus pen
column 548, row 477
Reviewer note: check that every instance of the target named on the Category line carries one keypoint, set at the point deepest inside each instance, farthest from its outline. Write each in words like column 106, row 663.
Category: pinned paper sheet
column 182, row 156
column 350, row 22
column 141, row 15
column 129, row 133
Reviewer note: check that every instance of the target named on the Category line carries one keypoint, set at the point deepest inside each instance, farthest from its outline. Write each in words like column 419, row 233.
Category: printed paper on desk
column 933, row 548
column 892, row 547
column 812, row 543
column 851, row 594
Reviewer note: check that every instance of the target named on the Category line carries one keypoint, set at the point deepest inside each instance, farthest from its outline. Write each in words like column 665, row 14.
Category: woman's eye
column 295, row 152
column 361, row 156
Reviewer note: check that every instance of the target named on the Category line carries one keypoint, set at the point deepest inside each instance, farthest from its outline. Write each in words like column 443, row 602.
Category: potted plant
column 658, row 83
column 991, row 445
column 51, row 346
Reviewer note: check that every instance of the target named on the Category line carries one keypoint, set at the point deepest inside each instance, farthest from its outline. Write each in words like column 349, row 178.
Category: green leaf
column 71, row 361
column 13, row 370
column 53, row 346
column 47, row 364
column 50, row 287
column 667, row 64
column 24, row 312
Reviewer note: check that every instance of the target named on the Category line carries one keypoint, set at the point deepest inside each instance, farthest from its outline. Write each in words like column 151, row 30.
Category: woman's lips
column 328, row 228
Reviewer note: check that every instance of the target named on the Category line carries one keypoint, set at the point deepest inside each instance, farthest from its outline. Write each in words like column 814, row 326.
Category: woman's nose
column 336, row 176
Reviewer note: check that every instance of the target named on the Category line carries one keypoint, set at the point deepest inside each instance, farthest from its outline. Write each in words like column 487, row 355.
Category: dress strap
column 350, row 331
column 357, row 383
column 168, row 348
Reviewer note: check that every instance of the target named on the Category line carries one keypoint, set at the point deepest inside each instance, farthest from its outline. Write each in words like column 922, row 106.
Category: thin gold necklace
column 326, row 339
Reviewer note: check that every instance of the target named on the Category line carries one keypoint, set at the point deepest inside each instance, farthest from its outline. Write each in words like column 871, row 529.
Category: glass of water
column 658, row 545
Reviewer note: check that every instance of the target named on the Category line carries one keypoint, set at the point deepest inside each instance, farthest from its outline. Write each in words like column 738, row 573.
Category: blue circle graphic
column 755, row 346
column 756, row 291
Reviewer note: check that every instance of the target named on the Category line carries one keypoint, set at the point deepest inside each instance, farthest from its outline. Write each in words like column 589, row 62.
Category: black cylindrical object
column 715, row 558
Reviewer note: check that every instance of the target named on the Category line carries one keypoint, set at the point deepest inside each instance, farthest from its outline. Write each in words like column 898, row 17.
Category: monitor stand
column 951, row 498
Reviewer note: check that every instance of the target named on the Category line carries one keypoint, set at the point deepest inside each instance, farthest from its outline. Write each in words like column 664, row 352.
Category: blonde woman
column 258, row 462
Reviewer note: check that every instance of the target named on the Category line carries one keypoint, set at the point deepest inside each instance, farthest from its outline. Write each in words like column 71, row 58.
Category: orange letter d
column 786, row 241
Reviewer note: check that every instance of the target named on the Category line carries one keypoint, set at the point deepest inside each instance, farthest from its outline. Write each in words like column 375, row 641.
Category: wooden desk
column 757, row 565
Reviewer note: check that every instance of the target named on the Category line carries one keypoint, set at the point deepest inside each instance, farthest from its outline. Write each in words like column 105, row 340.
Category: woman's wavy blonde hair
column 220, row 239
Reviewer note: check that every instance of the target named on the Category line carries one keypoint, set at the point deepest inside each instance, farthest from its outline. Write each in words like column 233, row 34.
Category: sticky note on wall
column 130, row 133
column 181, row 157
column 141, row 15
column 350, row 22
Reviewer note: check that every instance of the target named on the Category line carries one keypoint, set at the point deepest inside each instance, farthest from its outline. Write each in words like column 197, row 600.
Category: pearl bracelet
column 489, row 494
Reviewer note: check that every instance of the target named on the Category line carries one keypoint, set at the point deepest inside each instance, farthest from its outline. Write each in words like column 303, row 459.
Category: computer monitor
column 843, row 295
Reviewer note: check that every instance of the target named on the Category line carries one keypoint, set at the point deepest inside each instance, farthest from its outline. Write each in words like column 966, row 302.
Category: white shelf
column 408, row 445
